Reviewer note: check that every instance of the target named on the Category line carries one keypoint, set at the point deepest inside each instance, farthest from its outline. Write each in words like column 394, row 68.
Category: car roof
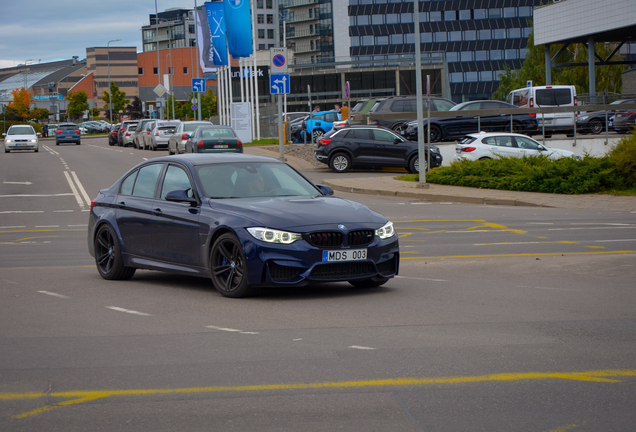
column 195, row 159
column 324, row 112
column 488, row 134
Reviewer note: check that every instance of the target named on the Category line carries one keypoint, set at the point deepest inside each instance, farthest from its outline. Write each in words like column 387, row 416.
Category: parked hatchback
column 482, row 146
column 161, row 133
column 393, row 112
column 371, row 147
column 124, row 128
column 176, row 143
column 68, row 133
column 138, row 130
column 214, row 139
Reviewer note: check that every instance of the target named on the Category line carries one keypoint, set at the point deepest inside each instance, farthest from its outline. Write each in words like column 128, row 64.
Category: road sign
column 160, row 90
column 279, row 83
column 347, row 90
column 529, row 83
column 278, row 60
column 198, row 85
column 194, row 107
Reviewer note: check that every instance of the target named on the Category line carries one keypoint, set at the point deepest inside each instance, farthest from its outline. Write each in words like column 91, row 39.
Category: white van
column 548, row 96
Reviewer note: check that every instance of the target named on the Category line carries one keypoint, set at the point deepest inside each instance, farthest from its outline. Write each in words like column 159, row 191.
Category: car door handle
column 121, row 204
column 157, row 211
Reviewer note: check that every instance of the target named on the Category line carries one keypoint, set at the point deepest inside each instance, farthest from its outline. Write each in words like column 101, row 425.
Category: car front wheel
column 316, row 134
column 341, row 162
column 436, row 134
column 595, row 126
column 110, row 264
column 228, row 267
column 414, row 165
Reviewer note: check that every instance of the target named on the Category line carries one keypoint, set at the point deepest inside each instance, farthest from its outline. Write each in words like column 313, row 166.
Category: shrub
column 624, row 157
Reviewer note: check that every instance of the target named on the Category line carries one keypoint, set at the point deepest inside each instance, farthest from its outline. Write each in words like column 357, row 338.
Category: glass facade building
column 478, row 38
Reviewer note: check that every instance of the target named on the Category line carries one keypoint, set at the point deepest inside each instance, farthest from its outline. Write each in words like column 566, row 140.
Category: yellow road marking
column 84, row 396
column 595, row 247
column 567, row 427
column 31, row 238
column 521, row 255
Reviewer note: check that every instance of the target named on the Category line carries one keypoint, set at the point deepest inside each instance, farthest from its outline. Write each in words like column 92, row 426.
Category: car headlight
column 33, row 140
column 8, row 141
column 583, row 117
column 386, row 231
column 274, row 236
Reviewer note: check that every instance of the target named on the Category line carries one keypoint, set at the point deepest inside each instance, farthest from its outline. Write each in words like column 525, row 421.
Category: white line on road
column 230, row 330
column 47, row 226
column 19, row 183
column 74, row 189
column 62, row 211
column 599, row 223
column 118, row 309
column 591, row 228
column 22, row 211
column 81, row 188
column 53, row 294
column 540, row 223
column 424, row 279
column 80, row 225
column 34, row 195
column 361, row 347
column 557, row 289
column 12, row 227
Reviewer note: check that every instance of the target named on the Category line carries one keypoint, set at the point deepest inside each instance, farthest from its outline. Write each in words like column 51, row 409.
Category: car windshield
column 217, row 133
column 189, row 127
column 467, row 140
column 21, row 130
column 252, row 179
column 67, row 127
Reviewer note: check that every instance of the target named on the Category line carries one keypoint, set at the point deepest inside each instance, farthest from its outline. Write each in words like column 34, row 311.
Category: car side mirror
column 39, row 134
column 181, row 195
column 187, row 136
column 397, row 141
column 326, row 190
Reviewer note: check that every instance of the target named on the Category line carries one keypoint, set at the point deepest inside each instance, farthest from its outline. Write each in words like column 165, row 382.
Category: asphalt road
column 502, row 318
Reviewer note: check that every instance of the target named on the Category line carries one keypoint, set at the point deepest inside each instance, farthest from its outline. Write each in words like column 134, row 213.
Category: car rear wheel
column 369, row 283
column 398, row 128
column 170, row 152
column 228, row 267
column 340, row 162
column 110, row 264
column 595, row 126
column 317, row 134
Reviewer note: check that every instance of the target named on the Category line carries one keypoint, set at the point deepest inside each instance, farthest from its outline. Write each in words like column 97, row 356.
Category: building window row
column 456, row 36
column 469, row 56
column 483, row 76
column 437, row 16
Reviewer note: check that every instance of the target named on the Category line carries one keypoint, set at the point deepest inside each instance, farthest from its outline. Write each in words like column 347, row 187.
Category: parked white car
column 176, row 143
column 491, row 145
column 21, row 137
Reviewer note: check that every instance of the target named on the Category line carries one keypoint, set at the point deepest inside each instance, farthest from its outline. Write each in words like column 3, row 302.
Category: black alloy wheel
column 436, row 134
column 228, row 267
column 110, row 264
column 595, row 126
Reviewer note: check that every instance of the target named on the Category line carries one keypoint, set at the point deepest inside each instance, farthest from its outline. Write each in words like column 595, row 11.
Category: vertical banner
column 216, row 23
column 204, row 41
column 239, row 27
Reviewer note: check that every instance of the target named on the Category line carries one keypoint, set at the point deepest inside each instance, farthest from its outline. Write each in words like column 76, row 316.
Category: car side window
column 331, row 117
column 128, row 183
column 397, row 106
column 147, row 181
column 504, row 141
column 442, row 105
column 489, row 141
column 382, row 135
column 175, row 179
column 359, row 134
column 526, row 143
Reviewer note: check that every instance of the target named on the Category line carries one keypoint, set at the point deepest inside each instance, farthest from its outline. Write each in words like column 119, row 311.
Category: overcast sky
column 45, row 30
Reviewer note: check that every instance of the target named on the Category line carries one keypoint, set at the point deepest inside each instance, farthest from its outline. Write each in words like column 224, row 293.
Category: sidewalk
column 388, row 186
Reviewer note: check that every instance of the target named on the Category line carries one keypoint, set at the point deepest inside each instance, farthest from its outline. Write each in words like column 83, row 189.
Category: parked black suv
column 372, row 147
column 401, row 109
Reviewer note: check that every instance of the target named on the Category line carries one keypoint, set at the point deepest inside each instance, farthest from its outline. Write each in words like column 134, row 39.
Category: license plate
column 610, row 123
column 220, row 146
column 546, row 122
column 344, row 255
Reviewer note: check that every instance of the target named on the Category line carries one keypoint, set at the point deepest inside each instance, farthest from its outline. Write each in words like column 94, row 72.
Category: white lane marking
column 145, row 158
column 47, row 226
column 12, row 227
column 62, row 211
column 591, row 228
column 424, row 279
column 557, row 289
column 81, row 225
column 81, row 188
column 50, row 150
column 53, row 294
column 34, row 195
column 361, row 347
column 230, row 330
column 22, row 211
column 296, row 340
column 78, row 198
column 11, row 282
column 420, row 203
column 20, row 183
column 599, row 223
column 540, row 223
column 118, row 309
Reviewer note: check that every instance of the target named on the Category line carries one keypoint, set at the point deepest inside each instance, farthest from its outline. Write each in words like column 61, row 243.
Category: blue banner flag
column 204, row 40
column 239, row 27
column 216, row 21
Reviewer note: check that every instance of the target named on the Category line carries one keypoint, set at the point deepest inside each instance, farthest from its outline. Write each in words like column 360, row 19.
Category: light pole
column 26, row 74
column 171, row 85
column 111, row 105
column 158, row 59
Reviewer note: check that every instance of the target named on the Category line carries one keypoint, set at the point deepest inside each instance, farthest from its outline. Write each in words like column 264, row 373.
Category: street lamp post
column 158, row 58
column 111, row 105
column 171, row 85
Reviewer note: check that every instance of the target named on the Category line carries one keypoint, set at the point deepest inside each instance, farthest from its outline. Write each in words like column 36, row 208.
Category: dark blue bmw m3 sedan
column 244, row 221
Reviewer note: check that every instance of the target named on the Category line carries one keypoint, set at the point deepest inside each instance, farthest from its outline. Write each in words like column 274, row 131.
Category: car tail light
column 467, row 149
column 93, row 203
column 59, row 131
column 239, row 143
column 630, row 113
column 532, row 114
column 531, row 104
column 201, row 144
column 156, row 133
column 185, row 136
column 77, row 131
column 373, row 122
column 324, row 141
column 575, row 100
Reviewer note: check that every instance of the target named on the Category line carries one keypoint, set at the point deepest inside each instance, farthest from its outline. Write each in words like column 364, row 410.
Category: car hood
column 20, row 137
column 555, row 153
column 294, row 213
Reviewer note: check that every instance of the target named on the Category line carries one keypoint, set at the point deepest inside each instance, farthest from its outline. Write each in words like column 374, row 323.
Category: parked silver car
column 177, row 141
column 140, row 128
column 161, row 133
column 128, row 136
column 143, row 138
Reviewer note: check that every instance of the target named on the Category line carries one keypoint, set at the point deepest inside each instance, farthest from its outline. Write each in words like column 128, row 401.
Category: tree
column 40, row 113
column 135, row 109
column 95, row 112
column 119, row 99
column 20, row 102
column 77, row 104
column 208, row 104
column 608, row 78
